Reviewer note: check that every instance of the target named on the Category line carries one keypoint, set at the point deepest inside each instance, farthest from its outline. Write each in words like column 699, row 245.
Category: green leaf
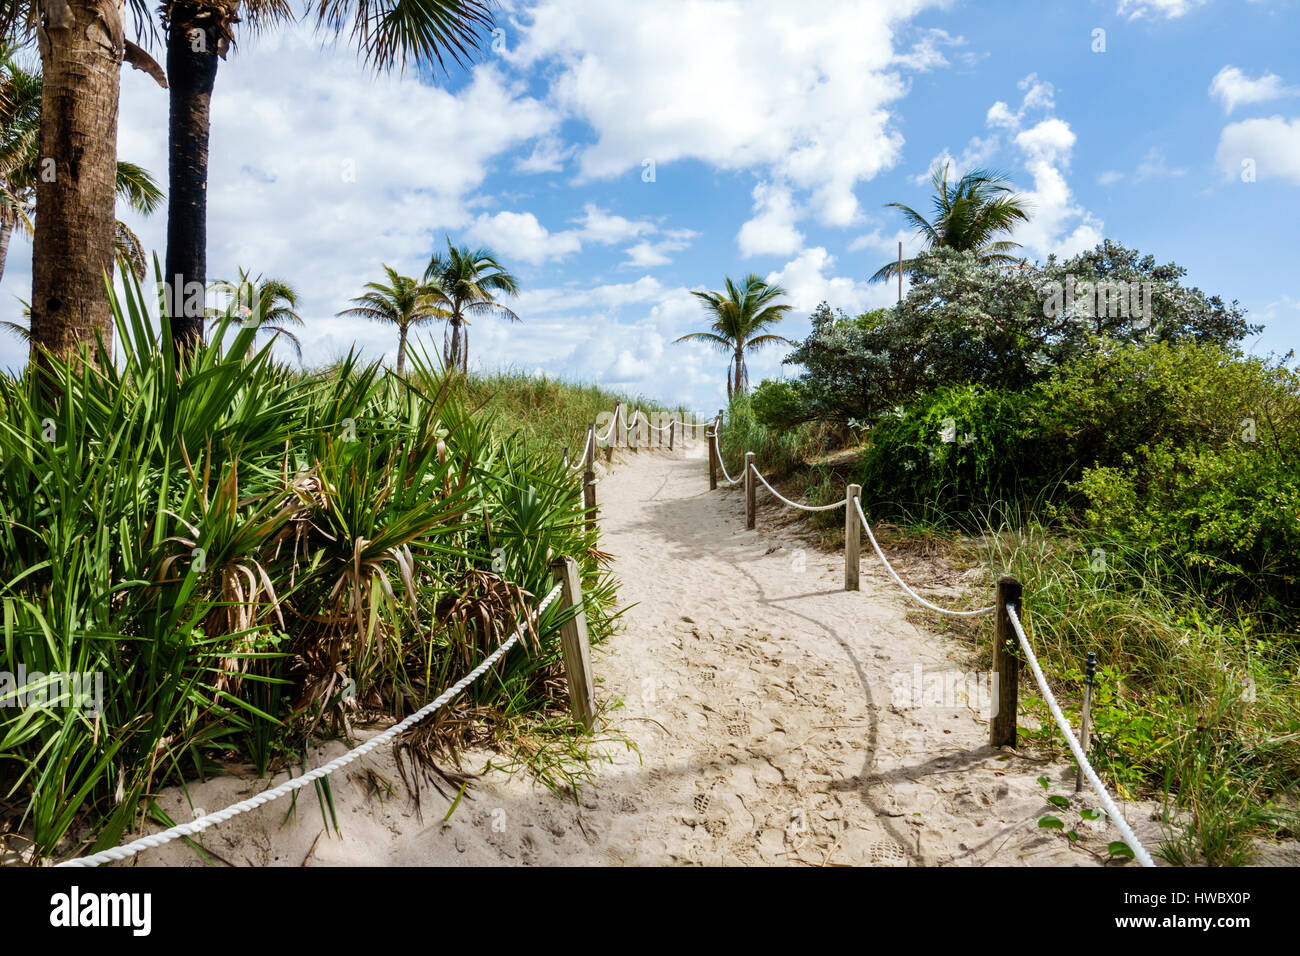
column 1057, row 800
column 1050, row 823
column 1120, row 848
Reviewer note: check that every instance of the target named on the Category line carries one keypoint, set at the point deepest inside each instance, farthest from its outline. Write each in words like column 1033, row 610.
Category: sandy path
column 765, row 702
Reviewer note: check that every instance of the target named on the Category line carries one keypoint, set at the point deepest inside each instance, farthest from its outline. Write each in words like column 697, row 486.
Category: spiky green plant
column 241, row 550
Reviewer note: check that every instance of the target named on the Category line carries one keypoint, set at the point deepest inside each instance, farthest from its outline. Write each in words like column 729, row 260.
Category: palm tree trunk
column 81, row 56
column 453, row 358
column 401, row 349
column 464, row 351
column 191, row 74
column 6, row 230
column 740, row 368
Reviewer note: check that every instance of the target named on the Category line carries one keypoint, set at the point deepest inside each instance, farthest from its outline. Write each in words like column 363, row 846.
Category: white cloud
column 646, row 254
column 1039, row 95
column 808, row 279
column 548, row 156
column 771, row 231
column 1057, row 222
column 515, row 235
column 598, row 225
column 1271, row 146
column 801, row 93
column 1109, row 177
column 1150, row 9
column 1233, row 88
column 1050, row 142
column 926, row 54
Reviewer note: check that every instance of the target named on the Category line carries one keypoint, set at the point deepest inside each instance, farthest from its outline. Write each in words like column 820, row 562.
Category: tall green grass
column 248, row 554
column 1195, row 705
column 548, row 412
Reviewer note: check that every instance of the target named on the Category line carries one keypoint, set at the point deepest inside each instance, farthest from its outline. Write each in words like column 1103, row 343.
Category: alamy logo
column 1105, row 299
column 84, row 691
column 75, row 909
column 946, row 689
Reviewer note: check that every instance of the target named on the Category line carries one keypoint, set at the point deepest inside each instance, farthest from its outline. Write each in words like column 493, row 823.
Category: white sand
column 765, row 704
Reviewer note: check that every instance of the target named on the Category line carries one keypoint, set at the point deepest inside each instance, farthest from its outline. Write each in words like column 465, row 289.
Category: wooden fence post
column 713, row 459
column 672, row 427
column 589, row 478
column 852, row 539
column 749, row 490
column 1006, row 665
column 633, row 431
column 574, row 643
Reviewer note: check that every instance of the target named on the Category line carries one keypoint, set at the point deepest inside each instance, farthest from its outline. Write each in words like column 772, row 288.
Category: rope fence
column 577, row 667
column 1002, row 726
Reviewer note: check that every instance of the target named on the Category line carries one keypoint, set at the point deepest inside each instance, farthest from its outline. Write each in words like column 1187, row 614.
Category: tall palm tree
column 741, row 316
column 82, row 46
column 404, row 302
column 468, row 281
column 20, row 166
column 271, row 303
column 199, row 33
column 968, row 216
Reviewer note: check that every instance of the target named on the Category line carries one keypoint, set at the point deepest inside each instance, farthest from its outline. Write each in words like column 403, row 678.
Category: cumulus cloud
column 1058, row 223
column 1233, row 88
column 515, row 235
column 804, row 94
column 1269, row 148
column 772, row 230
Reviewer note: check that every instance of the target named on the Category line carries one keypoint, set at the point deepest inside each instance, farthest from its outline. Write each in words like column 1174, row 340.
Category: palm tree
column 21, row 170
column 468, row 281
column 200, row 32
column 404, row 302
column 271, row 303
column 82, row 47
column 740, row 317
column 967, row 217
column 20, row 166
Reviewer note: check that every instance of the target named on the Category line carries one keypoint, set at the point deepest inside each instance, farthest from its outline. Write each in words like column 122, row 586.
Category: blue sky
column 777, row 134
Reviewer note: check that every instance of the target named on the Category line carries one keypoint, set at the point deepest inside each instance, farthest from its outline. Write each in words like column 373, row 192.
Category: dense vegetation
column 253, row 556
column 1131, row 465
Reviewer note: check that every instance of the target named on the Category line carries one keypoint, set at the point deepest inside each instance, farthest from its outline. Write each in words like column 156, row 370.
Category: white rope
column 678, row 421
column 857, row 503
column 730, row 480
column 297, row 783
column 618, row 410
column 1112, row 811
column 582, row 460
column 794, row 504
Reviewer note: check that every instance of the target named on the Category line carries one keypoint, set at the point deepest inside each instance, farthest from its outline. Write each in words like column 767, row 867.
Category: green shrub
column 778, row 404
column 959, row 449
column 1192, row 452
